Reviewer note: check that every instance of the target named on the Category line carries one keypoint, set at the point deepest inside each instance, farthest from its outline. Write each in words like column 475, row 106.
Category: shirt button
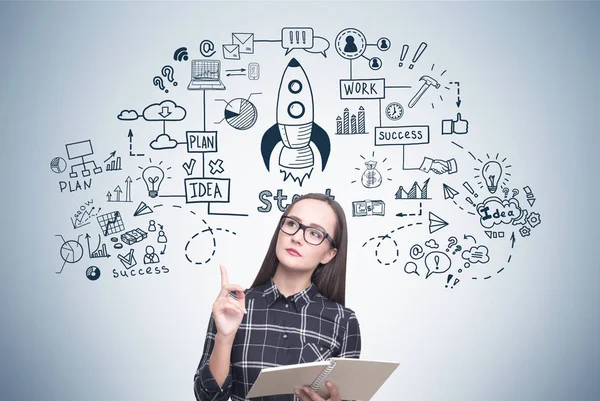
column 287, row 306
column 285, row 336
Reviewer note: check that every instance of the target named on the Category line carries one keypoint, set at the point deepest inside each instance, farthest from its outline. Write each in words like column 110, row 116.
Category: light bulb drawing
column 153, row 176
column 492, row 172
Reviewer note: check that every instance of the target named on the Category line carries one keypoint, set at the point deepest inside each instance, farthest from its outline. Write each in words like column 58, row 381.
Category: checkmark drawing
column 189, row 166
column 128, row 261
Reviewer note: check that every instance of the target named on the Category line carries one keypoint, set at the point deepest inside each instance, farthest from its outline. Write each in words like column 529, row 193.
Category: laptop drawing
column 206, row 75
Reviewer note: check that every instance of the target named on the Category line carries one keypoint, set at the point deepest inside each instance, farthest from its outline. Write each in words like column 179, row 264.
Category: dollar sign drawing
column 371, row 178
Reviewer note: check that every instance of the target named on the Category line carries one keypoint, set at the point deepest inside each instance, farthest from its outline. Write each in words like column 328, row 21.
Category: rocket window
column 295, row 86
column 296, row 110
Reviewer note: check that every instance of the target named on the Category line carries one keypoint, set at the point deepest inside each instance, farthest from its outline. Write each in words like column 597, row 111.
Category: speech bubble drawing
column 437, row 262
column 321, row 45
column 410, row 268
column 297, row 38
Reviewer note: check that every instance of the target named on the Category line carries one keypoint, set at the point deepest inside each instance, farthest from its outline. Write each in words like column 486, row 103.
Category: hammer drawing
column 428, row 82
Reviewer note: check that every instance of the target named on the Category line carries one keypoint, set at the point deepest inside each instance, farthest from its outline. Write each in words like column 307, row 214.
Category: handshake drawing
column 439, row 166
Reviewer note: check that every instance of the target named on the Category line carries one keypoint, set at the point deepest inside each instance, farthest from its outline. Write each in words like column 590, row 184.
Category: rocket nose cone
column 293, row 63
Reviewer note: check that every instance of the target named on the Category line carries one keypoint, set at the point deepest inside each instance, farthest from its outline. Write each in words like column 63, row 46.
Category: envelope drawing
column 245, row 41
column 231, row 52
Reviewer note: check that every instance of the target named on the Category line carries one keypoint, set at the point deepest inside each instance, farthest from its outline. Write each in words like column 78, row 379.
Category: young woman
column 293, row 313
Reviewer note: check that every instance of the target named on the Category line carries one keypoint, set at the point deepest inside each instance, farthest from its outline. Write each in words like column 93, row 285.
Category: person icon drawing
column 350, row 45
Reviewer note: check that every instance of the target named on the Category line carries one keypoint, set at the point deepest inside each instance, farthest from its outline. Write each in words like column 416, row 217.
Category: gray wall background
column 529, row 82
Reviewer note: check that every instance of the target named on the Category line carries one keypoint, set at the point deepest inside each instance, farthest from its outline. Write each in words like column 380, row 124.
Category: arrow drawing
column 458, row 102
column 412, row 214
column 470, row 236
column 79, row 221
column 165, row 112
column 112, row 154
column 87, row 238
column 118, row 192
column 130, row 135
column 128, row 189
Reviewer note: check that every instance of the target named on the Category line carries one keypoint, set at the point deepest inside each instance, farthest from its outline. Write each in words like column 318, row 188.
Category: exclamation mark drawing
column 468, row 187
column 403, row 55
column 418, row 54
column 448, row 279
column 456, row 280
column 471, row 191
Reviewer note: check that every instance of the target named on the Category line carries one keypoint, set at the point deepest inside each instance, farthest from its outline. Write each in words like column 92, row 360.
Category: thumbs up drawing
column 458, row 126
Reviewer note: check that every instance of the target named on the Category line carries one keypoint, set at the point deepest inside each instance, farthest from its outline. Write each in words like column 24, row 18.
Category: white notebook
column 356, row 379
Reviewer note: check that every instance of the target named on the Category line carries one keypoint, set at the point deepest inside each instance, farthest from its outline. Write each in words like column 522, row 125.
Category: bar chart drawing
column 98, row 253
column 415, row 192
column 114, row 165
column 351, row 125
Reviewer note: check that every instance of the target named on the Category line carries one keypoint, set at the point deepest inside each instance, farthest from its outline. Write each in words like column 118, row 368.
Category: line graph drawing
column 111, row 223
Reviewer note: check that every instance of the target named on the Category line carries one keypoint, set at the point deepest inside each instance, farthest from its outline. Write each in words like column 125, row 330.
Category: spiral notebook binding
column 318, row 382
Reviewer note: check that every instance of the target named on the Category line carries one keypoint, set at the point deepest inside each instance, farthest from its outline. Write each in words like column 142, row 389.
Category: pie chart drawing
column 71, row 251
column 58, row 165
column 241, row 114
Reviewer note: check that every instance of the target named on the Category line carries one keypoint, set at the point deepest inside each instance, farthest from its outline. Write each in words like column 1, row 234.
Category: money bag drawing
column 295, row 127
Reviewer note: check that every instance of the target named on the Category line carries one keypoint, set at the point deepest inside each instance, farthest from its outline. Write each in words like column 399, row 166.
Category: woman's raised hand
column 228, row 311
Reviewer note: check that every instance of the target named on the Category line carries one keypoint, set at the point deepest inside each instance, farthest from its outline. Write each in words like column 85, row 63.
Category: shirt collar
column 271, row 293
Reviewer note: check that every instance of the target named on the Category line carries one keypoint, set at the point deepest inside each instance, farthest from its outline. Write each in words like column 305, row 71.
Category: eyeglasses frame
column 303, row 227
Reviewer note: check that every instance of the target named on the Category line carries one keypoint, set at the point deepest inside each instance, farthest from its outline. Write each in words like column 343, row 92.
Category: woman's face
column 293, row 252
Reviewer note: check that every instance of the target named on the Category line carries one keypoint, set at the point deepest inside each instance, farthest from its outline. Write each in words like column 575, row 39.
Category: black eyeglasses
column 312, row 235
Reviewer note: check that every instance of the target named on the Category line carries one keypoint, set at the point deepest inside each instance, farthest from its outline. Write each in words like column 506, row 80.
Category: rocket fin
column 321, row 140
column 269, row 140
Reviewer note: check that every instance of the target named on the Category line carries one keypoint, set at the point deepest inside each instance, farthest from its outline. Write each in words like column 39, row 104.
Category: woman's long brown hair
column 329, row 278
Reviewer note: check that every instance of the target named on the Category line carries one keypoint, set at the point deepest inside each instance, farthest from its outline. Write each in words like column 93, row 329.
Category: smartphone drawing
column 253, row 71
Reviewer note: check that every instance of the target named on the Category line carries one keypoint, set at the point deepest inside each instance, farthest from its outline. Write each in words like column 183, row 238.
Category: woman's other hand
column 307, row 394
column 228, row 311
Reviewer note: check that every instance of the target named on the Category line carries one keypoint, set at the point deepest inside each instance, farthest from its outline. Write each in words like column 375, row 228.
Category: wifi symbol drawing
column 180, row 54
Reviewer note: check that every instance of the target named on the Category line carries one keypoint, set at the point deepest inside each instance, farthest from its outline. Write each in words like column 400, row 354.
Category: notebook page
column 284, row 379
column 358, row 379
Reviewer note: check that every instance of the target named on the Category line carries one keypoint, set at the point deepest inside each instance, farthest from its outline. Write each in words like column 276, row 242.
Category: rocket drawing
column 295, row 127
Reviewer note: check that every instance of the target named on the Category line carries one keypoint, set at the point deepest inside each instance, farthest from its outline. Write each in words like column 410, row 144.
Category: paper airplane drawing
column 436, row 223
column 449, row 192
column 142, row 209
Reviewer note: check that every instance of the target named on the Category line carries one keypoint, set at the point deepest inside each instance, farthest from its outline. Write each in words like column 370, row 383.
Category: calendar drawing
column 111, row 223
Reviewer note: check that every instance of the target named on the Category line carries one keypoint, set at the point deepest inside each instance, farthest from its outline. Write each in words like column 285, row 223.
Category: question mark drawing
column 159, row 82
column 515, row 192
column 506, row 191
column 167, row 72
column 457, row 249
column 451, row 242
